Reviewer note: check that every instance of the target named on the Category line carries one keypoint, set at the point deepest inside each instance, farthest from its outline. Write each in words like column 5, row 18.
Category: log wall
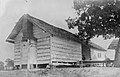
column 17, row 49
column 65, row 50
column 43, row 45
column 49, row 48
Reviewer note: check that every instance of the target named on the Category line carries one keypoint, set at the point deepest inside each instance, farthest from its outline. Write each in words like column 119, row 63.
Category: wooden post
column 28, row 66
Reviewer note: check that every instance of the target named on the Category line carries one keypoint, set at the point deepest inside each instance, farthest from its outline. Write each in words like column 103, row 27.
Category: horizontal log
column 60, row 60
column 17, row 41
column 17, row 55
column 66, row 54
column 43, row 55
column 43, row 58
column 43, row 48
column 64, row 59
column 17, row 48
column 64, row 49
column 17, row 51
column 44, row 38
column 43, row 51
column 41, row 35
column 17, row 45
column 54, row 38
column 37, row 30
column 15, row 59
column 43, row 43
column 66, row 45
column 43, row 62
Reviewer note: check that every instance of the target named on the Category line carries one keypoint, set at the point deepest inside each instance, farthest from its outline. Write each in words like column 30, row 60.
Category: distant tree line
column 8, row 65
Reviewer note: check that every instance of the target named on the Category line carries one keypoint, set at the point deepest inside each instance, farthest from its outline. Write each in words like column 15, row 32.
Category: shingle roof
column 95, row 46
column 113, row 44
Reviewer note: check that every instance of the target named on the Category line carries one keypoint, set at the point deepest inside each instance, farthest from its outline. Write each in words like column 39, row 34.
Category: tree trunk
column 117, row 55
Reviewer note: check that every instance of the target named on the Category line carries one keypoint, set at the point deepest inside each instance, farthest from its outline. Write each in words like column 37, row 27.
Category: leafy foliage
column 95, row 18
column 9, row 63
column 1, row 65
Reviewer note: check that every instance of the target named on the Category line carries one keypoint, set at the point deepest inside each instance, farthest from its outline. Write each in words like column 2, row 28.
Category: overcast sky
column 52, row 11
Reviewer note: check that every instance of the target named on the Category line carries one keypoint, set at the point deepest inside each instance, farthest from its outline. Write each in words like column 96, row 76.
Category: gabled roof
column 47, row 27
column 95, row 46
column 113, row 44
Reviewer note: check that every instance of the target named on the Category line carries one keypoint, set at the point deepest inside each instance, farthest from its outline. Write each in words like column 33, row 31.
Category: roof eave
column 10, row 41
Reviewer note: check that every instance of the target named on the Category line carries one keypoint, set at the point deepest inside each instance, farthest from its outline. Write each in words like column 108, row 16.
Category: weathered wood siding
column 65, row 50
column 17, row 49
column 20, row 50
column 49, row 48
column 43, row 45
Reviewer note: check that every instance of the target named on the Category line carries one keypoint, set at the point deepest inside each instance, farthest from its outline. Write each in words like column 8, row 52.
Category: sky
column 51, row 11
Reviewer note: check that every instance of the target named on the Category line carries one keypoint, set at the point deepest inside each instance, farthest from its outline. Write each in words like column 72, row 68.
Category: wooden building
column 93, row 52
column 38, row 43
column 111, row 49
column 97, row 53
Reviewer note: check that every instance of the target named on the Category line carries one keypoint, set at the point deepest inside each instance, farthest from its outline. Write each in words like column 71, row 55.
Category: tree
column 1, row 65
column 97, row 18
column 9, row 63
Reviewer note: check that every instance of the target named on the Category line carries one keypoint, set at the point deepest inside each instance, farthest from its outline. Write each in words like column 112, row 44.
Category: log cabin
column 37, row 43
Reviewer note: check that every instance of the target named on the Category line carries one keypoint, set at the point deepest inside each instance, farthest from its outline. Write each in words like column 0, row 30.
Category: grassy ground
column 65, row 72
